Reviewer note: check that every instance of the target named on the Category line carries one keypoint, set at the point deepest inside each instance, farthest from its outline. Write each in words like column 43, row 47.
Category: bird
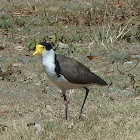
column 66, row 73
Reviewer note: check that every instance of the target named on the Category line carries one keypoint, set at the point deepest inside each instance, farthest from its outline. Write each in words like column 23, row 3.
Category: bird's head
column 41, row 47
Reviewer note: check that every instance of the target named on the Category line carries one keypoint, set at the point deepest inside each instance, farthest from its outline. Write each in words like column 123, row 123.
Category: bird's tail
column 100, row 81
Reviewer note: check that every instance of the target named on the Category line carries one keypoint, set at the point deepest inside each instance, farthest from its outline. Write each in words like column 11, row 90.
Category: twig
column 29, row 4
column 121, row 32
column 134, row 66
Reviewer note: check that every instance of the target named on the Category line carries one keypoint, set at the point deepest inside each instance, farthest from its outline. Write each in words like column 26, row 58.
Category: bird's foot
column 80, row 114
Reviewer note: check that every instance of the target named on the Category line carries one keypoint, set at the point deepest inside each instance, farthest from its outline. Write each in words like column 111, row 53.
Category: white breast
column 48, row 61
column 49, row 67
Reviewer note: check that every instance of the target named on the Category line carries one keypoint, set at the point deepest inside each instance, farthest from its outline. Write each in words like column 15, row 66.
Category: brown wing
column 77, row 73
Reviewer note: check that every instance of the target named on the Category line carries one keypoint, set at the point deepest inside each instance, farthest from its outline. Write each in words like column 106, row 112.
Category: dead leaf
column 95, row 57
column 4, row 29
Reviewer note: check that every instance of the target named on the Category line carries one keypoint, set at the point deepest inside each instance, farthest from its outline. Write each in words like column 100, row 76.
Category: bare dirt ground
column 31, row 107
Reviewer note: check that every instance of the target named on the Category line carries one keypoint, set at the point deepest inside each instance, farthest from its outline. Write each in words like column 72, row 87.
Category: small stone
column 39, row 127
column 128, row 62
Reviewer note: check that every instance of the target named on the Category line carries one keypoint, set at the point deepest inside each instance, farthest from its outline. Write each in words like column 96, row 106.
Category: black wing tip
column 103, row 83
column 100, row 81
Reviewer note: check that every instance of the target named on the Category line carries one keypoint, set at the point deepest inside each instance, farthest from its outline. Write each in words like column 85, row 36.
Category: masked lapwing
column 66, row 73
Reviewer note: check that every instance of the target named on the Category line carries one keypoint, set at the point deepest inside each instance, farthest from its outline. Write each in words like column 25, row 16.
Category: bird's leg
column 66, row 104
column 81, row 111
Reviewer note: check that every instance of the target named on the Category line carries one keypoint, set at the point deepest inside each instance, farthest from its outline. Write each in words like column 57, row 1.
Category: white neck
column 48, row 60
column 48, row 54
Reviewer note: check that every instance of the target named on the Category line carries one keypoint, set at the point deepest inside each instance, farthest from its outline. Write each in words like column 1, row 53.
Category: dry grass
column 31, row 107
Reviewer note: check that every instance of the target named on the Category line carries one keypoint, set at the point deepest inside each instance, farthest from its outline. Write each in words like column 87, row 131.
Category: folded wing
column 77, row 73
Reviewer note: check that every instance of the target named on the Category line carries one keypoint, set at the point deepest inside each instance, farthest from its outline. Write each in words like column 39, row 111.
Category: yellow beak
column 35, row 53
column 39, row 50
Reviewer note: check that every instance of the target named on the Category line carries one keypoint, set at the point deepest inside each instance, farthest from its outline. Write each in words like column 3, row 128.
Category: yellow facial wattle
column 39, row 50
